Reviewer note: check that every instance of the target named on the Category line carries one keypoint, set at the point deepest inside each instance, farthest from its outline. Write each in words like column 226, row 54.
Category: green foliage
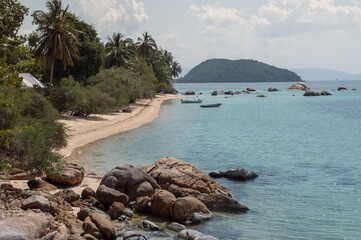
column 11, row 17
column 29, row 130
column 9, row 76
column 223, row 70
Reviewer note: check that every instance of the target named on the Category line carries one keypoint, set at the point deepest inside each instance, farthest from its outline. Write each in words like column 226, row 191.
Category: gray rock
column 83, row 213
column 325, row 93
column 130, row 235
column 342, row 89
column 176, row 227
column 251, row 89
column 38, row 184
column 240, row 174
column 128, row 212
column 271, row 89
column 261, row 96
column 36, row 202
column 199, row 217
column 190, row 234
column 146, row 224
column 216, row 174
column 111, row 182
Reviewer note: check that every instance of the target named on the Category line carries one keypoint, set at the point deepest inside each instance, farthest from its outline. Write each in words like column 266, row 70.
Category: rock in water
column 184, row 207
column 221, row 202
column 240, row 174
column 146, row 224
column 342, row 89
column 190, row 234
column 72, row 174
column 130, row 180
column 298, row 86
column 116, row 210
column 189, row 92
column 183, row 179
column 325, row 93
column 309, row 92
column 251, row 89
column 271, row 89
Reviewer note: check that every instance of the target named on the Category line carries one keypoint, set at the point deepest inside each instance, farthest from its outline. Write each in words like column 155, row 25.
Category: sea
column 306, row 150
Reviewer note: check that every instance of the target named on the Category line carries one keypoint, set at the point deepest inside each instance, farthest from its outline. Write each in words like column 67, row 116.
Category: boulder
column 130, row 235
column 309, row 92
column 298, row 86
column 87, row 193
column 342, row 89
column 240, row 174
column 72, row 174
column 36, row 202
column 325, row 93
column 229, row 93
column 251, row 89
column 162, row 204
column 98, row 226
column 183, row 179
column 116, row 210
column 146, row 224
column 26, row 225
column 190, row 234
column 128, row 212
column 272, row 89
column 176, row 227
column 215, row 201
column 184, row 207
column 39, row 184
column 261, row 96
column 84, row 213
column 189, row 92
column 108, row 195
column 68, row 195
column 130, row 180
column 214, row 93
column 199, row 217
column 143, row 204
column 216, row 174
column 245, row 92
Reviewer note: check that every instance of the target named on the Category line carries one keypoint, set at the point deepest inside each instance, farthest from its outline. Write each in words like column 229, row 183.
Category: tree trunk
column 52, row 73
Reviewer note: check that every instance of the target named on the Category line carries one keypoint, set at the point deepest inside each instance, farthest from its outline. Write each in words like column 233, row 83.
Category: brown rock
column 68, row 195
column 272, row 89
column 298, row 86
column 127, row 110
column 309, row 92
column 91, row 228
column 251, row 89
column 72, row 174
column 108, row 195
column 38, row 184
column 104, row 225
column 189, row 92
column 220, row 202
column 184, row 207
column 183, row 179
column 162, row 204
column 131, row 180
column 342, row 89
column 116, row 210
column 142, row 204
column 87, row 193
column 325, row 93
column 76, row 237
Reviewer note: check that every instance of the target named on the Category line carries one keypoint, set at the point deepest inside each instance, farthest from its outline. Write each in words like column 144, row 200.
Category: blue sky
column 284, row 33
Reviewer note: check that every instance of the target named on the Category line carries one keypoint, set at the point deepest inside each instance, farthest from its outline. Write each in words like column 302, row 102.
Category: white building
column 30, row 81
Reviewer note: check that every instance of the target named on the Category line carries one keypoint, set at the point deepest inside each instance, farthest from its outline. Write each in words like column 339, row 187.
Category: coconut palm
column 56, row 36
column 176, row 69
column 146, row 46
column 119, row 51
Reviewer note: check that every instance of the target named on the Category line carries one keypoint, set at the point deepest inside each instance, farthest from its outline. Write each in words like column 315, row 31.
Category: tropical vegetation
column 83, row 76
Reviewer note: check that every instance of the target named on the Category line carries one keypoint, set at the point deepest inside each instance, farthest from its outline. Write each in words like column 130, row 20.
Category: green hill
column 224, row 70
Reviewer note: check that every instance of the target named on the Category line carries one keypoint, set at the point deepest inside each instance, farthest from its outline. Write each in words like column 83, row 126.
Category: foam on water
column 306, row 150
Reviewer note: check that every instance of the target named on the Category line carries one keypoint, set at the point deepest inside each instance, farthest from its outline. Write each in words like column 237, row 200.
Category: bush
column 29, row 130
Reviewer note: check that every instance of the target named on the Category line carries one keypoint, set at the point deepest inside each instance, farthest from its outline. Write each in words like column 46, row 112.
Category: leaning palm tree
column 176, row 69
column 56, row 36
column 146, row 46
column 119, row 51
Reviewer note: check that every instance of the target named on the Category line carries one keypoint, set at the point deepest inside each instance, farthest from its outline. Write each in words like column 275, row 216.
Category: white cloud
column 114, row 15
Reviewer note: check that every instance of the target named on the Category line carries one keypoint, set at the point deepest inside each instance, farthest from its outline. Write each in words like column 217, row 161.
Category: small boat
column 191, row 101
column 211, row 105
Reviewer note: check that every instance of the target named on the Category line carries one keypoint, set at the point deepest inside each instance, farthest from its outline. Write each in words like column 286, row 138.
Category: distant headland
column 243, row 70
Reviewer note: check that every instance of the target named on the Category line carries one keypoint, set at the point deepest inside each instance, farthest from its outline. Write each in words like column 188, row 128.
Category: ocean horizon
column 305, row 149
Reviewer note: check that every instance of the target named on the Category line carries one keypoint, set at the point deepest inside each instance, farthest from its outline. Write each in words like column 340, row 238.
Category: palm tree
column 119, row 51
column 56, row 36
column 146, row 46
column 176, row 69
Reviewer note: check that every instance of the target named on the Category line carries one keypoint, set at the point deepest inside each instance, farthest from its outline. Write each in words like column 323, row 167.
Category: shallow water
column 306, row 150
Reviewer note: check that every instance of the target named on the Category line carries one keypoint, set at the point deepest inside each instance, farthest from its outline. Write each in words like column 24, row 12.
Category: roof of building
column 30, row 81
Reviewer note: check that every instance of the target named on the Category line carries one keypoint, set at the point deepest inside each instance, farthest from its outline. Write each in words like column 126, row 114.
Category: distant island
column 322, row 74
column 244, row 70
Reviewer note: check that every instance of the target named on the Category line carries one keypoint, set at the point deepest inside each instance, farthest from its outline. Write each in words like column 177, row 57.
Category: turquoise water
column 306, row 150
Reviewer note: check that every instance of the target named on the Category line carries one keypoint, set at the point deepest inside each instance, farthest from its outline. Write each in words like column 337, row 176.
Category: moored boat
column 211, row 105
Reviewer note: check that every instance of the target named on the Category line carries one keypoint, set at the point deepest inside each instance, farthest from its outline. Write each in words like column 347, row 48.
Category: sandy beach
column 82, row 131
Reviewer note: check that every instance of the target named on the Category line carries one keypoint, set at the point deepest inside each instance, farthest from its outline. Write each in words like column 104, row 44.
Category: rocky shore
column 165, row 199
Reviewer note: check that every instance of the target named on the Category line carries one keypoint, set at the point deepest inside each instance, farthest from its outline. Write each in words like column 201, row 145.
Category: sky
column 284, row 33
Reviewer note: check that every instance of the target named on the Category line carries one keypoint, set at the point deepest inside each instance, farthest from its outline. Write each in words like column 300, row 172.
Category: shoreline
column 82, row 131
